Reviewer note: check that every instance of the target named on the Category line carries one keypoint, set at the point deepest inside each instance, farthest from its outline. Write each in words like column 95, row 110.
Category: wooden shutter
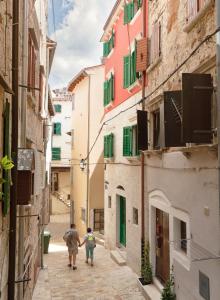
column 126, row 71
column 133, row 66
column 156, row 42
column 56, row 153
column 139, row 3
column 105, row 93
column 127, row 141
column 111, row 144
column 58, row 128
column 142, row 130
column 126, row 11
column 197, row 92
column 172, row 118
column 105, row 146
column 192, row 9
column 6, row 173
column 105, row 49
column 141, row 55
column 112, row 87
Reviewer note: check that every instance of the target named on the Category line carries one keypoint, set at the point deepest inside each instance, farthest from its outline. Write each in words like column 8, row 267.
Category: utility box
column 26, row 167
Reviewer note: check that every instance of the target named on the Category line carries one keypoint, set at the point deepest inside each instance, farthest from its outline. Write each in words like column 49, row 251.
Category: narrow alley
column 106, row 280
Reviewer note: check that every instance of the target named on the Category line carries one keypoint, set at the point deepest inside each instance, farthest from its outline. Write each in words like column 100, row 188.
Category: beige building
column 61, row 152
column 181, row 174
column 87, row 180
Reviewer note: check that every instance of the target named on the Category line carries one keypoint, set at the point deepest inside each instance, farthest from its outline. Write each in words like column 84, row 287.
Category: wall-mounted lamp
column 82, row 164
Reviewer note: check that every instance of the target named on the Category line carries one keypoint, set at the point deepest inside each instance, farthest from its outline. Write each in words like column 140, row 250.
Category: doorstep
column 100, row 239
column 149, row 291
column 116, row 256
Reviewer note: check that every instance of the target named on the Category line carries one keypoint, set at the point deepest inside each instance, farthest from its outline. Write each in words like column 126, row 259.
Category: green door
column 122, row 221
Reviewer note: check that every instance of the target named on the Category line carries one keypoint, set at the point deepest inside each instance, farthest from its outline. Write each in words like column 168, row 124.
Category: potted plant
column 146, row 267
column 168, row 291
column 6, row 164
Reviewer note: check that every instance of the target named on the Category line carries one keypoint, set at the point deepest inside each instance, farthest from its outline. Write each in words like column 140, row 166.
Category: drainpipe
column 14, row 146
column 88, row 145
column 23, row 143
column 218, row 84
column 142, row 153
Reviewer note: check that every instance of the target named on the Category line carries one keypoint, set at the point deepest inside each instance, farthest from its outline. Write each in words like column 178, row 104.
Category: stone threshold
column 149, row 291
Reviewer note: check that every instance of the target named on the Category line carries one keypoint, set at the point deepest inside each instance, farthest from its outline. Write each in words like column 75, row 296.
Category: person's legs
column 74, row 261
column 87, row 254
column 91, row 255
column 70, row 257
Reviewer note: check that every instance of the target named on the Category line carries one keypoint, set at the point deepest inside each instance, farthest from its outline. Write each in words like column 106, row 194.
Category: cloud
column 78, row 38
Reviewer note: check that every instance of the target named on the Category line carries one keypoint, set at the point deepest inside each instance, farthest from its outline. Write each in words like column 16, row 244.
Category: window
column 83, row 214
column 180, row 235
column 31, row 64
column 130, row 10
column 109, row 201
column 156, row 129
column 130, row 75
column 130, row 141
column 57, row 128
column 41, row 87
column 108, row 145
column 56, row 152
column 193, row 7
column 108, row 46
column 135, row 216
column 155, row 43
column 109, row 90
column 57, row 107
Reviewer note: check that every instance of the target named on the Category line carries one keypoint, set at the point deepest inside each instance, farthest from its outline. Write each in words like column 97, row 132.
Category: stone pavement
column 105, row 281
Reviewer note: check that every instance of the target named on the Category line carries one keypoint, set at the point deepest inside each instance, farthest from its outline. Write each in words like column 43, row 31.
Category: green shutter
column 106, row 49
column 58, row 128
column 126, row 71
column 6, row 173
column 105, row 93
column 105, row 146
column 56, row 153
column 126, row 14
column 127, row 141
column 111, row 145
column 57, row 107
column 131, row 10
column 139, row 3
column 112, row 81
column 133, row 67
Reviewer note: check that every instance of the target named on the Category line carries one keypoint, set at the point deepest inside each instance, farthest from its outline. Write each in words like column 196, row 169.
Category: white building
column 61, row 150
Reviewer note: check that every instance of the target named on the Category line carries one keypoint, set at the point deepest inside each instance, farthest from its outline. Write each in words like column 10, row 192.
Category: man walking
column 71, row 237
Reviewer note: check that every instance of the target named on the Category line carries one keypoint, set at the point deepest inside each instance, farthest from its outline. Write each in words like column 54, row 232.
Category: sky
column 78, row 29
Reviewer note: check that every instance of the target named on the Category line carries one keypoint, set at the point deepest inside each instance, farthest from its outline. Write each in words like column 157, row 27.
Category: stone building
column 36, row 53
column 5, row 125
column 181, row 174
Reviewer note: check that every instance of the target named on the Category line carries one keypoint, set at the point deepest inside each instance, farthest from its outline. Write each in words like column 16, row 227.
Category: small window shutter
column 58, row 128
column 105, row 49
column 126, row 71
column 105, row 146
column 197, row 92
column 105, row 93
column 133, row 66
column 111, row 137
column 139, row 3
column 127, row 135
column 172, row 118
column 126, row 14
column 6, row 173
column 141, row 55
column 131, row 10
column 192, row 9
column 112, row 87
column 142, row 130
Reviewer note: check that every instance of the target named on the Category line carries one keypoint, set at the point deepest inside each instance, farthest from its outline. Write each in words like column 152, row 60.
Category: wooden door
column 162, row 246
column 122, row 234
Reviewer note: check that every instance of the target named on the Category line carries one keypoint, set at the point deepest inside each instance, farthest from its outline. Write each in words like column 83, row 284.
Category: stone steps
column 115, row 255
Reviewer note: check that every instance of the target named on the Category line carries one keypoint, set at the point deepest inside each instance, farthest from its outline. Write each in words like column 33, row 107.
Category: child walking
column 90, row 243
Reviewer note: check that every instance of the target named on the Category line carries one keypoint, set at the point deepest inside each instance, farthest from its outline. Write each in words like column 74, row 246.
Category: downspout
column 218, row 85
column 87, row 155
column 142, row 153
column 23, row 141
column 14, row 173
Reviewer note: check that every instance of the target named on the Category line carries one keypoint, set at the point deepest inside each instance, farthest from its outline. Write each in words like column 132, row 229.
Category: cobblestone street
column 106, row 280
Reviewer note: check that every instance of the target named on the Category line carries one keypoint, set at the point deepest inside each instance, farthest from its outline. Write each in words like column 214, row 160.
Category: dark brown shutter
column 142, row 130
column 141, row 61
column 172, row 118
column 197, row 92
